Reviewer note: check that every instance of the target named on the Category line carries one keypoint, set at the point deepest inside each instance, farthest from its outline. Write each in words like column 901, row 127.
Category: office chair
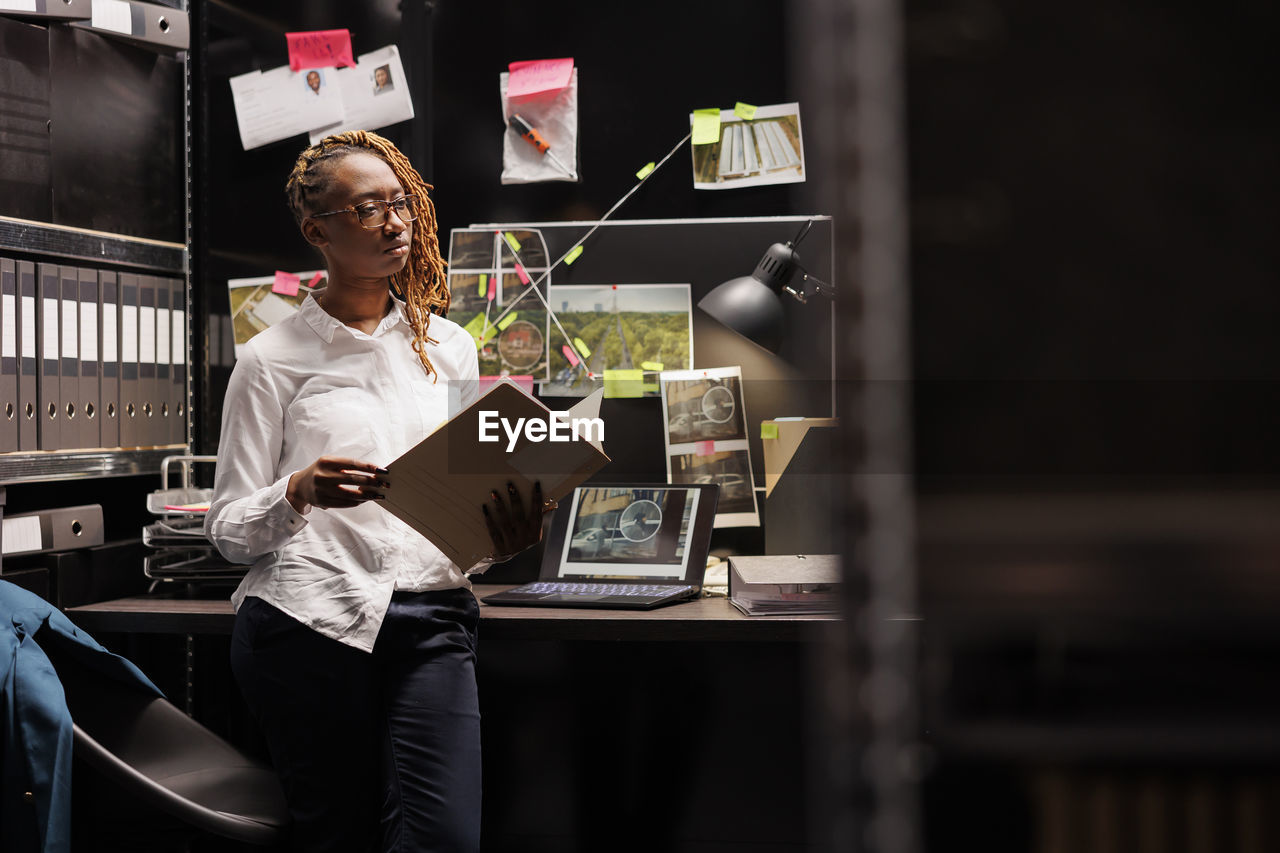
column 149, row 751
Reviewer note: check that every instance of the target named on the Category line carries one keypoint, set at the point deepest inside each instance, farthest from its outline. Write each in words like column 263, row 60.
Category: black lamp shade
column 751, row 305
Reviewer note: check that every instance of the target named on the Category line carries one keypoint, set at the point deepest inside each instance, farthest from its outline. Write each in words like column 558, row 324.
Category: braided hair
column 422, row 282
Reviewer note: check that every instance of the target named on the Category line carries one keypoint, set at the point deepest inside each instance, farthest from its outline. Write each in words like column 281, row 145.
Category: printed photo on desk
column 260, row 302
column 645, row 327
column 705, row 435
column 488, row 269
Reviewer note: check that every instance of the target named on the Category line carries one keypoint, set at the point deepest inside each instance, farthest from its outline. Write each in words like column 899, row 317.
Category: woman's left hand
column 514, row 528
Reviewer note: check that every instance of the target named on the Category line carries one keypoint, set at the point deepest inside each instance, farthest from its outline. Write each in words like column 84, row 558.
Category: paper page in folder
column 440, row 485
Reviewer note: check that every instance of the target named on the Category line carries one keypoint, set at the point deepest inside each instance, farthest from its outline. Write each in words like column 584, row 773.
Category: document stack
column 179, row 549
column 794, row 584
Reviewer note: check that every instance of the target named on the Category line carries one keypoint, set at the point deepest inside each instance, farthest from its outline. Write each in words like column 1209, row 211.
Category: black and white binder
column 164, row 386
column 90, row 363
column 151, row 25
column 69, row 364
column 109, row 337
column 178, row 361
column 9, row 404
column 48, row 382
column 149, row 416
column 28, row 360
column 130, row 404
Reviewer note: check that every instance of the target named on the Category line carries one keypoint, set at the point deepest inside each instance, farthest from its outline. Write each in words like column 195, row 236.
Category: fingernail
column 378, row 497
column 383, row 471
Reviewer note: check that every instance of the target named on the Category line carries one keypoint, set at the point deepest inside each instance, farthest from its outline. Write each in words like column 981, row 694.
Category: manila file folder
column 440, row 485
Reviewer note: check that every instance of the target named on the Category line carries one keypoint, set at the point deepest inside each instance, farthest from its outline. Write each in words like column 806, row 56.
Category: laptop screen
column 629, row 533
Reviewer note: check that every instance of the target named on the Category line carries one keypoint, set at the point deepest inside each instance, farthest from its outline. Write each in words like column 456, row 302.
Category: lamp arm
column 821, row 287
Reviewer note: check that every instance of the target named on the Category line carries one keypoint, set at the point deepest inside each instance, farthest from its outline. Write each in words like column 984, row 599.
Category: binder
column 53, row 529
column 28, row 360
column 109, row 337
column 38, row 11
column 90, row 370
column 130, row 404
column 164, row 351
column 48, row 398
column 9, row 404
column 69, row 364
column 178, row 358
column 148, row 415
column 151, row 25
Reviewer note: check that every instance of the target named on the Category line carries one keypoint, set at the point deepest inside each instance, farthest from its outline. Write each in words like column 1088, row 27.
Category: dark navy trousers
column 375, row 751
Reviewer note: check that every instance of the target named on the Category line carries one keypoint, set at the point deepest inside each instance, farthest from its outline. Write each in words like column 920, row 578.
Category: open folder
column 440, row 485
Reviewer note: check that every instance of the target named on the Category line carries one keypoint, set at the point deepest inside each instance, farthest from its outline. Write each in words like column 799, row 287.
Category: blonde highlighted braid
column 422, row 282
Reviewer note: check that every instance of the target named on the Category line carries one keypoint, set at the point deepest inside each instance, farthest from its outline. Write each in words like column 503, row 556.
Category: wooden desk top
column 705, row 619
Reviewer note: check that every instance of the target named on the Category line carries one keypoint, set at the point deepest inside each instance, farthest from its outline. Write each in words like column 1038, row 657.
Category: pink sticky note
column 320, row 49
column 286, row 283
column 704, row 448
column 568, row 353
column 314, row 279
column 538, row 75
column 524, row 276
column 493, row 289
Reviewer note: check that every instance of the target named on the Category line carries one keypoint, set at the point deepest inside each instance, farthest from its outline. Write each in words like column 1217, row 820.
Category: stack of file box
column 179, row 550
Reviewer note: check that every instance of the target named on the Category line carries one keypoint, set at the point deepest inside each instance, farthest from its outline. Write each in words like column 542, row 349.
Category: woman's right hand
column 333, row 482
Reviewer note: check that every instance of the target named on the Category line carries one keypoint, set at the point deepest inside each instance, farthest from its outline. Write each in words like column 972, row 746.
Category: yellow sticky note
column 744, row 111
column 651, row 388
column 573, row 254
column 511, row 241
column 582, row 348
column 651, row 365
column 478, row 330
column 507, row 320
column 768, row 430
column 624, row 383
column 484, row 284
column 644, row 172
column 706, row 126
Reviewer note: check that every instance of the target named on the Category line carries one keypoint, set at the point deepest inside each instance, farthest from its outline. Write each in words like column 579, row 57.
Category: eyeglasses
column 373, row 214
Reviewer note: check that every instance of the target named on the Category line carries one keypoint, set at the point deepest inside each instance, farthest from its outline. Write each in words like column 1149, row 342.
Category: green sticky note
column 511, row 241
column 484, row 285
column 644, row 173
column 478, row 329
column 624, row 383
column 768, row 430
column 573, row 254
column 507, row 320
column 706, row 126
column 582, row 348
column 744, row 111
column 651, row 388
column 651, row 365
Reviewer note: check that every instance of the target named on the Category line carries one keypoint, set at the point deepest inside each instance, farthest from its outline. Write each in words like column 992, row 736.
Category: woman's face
column 380, row 77
column 348, row 246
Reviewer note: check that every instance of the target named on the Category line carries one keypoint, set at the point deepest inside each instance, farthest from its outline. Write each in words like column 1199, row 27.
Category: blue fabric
column 36, row 752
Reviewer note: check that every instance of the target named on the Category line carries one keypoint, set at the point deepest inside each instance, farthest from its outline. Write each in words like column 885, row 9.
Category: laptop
column 631, row 546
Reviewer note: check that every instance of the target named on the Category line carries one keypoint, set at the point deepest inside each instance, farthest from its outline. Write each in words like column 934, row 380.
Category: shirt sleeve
column 249, row 515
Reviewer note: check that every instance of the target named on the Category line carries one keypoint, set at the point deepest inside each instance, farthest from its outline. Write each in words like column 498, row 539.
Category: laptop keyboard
column 633, row 590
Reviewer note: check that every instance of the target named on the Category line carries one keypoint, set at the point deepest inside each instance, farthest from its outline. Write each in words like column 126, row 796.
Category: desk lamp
column 751, row 305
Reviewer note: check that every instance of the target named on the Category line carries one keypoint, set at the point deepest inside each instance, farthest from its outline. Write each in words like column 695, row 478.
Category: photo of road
column 617, row 327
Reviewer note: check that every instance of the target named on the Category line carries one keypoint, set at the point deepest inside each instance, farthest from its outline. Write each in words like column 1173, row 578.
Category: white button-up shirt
column 310, row 387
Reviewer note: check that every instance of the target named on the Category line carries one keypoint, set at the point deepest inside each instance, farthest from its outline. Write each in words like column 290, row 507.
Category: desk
column 595, row 722
column 703, row 620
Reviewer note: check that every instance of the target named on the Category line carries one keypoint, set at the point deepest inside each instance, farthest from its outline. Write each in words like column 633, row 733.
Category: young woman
column 355, row 638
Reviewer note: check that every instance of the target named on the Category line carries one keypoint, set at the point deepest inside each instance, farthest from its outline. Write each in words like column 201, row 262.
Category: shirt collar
column 325, row 325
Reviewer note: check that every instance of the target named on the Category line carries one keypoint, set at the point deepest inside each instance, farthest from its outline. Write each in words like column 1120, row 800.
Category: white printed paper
column 129, row 328
column 18, row 6
column 88, row 331
column 28, row 327
column 280, row 103
column 10, row 332
column 111, row 15
column 163, row 350
column 374, row 94
column 109, row 352
column 146, row 335
column 51, row 329
column 70, row 338
column 179, row 337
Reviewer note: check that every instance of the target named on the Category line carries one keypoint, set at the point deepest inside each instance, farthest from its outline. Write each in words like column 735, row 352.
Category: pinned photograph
column 645, row 327
column 708, row 408
column 371, row 97
column 705, row 435
column 767, row 149
column 315, row 81
column 490, row 271
column 382, row 82
column 258, row 303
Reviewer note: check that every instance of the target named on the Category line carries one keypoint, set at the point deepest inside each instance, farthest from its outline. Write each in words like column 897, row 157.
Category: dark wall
column 1093, row 203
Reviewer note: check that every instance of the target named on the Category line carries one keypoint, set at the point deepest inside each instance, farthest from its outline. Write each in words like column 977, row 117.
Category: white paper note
column 374, row 94
column 276, row 104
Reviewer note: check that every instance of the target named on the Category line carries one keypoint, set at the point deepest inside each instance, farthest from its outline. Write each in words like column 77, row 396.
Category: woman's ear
column 314, row 233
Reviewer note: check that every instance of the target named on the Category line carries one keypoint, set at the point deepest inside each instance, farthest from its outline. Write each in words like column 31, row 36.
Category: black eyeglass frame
column 387, row 207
